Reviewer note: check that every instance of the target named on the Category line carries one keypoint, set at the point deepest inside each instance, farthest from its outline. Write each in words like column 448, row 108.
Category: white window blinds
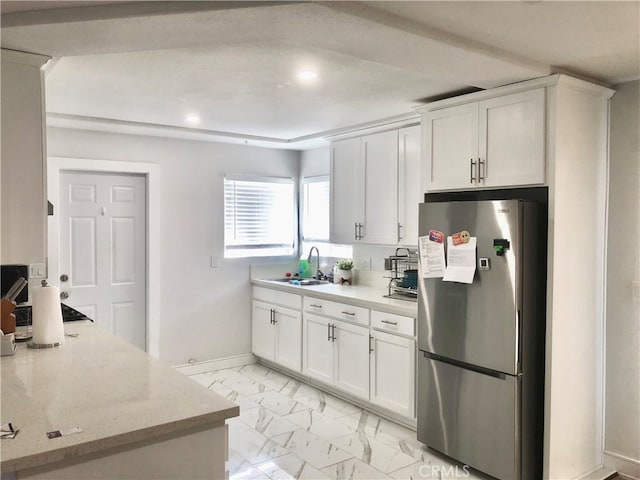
column 259, row 216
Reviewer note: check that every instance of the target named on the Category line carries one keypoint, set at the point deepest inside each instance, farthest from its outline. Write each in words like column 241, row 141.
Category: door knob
column 64, row 277
column 64, row 295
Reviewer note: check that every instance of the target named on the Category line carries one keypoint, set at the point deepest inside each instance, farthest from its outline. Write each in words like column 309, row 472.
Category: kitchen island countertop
column 117, row 394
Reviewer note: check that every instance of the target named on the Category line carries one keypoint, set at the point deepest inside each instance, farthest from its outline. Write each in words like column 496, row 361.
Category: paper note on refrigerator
column 431, row 258
column 461, row 261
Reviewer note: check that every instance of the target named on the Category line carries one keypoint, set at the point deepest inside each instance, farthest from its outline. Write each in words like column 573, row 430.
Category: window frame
column 262, row 249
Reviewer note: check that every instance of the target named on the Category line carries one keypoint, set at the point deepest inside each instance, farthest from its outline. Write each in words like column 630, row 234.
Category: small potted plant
column 344, row 268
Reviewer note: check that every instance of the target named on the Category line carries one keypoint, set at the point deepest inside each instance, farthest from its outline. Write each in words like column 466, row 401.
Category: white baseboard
column 218, row 364
column 626, row 467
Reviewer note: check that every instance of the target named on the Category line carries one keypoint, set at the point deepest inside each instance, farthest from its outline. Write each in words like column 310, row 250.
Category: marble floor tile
column 373, row 452
column 242, row 384
column 243, row 402
column 253, row 446
column 270, row 378
column 313, row 449
column 290, row 430
column 379, row 428
column 315, row 422
column 291, row 467
column 240, row 469
column 266, row 422
column 354, row 469
column 276, row 402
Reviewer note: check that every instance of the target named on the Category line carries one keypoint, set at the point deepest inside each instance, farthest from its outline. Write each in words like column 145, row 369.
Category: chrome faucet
column 318, row 274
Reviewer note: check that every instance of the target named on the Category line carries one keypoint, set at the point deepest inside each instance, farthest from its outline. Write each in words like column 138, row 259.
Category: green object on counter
column 304, row 269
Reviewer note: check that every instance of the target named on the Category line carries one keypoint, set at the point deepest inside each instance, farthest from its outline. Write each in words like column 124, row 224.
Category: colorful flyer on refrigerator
column 431, row 257
column 461, row 261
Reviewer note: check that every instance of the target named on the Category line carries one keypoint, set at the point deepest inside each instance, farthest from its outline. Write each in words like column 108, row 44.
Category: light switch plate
column 37, row 270
column 363, row 264
column 215, row 261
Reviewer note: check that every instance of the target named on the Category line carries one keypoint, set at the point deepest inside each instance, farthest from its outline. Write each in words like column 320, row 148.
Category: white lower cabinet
column 336, row 353
column 276, row 333
column 392, row 368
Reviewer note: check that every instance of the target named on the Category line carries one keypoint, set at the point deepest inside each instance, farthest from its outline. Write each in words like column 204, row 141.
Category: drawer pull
column 349, row 313
column 315, row 306
column 389, row 322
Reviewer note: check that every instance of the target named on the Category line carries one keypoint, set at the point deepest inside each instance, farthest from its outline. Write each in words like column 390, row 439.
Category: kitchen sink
column 303, row 282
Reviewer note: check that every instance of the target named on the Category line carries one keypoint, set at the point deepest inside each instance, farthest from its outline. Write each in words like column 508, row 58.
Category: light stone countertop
column 116, row 393
column 360, row 295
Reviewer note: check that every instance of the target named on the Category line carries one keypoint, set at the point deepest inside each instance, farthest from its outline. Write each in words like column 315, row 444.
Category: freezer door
column 475, row 323
column 470, row 416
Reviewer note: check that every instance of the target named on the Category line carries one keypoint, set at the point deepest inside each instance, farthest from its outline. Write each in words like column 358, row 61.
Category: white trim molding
column 218, row 364
column 626, row 466
column 151, row 171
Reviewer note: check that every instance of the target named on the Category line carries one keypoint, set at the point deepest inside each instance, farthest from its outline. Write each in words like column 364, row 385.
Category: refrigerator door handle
column 518, row 340
column 466, row 366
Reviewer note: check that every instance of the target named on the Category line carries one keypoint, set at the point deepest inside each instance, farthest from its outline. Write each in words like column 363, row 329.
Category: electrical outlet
column 364, row 264
column 215, row 261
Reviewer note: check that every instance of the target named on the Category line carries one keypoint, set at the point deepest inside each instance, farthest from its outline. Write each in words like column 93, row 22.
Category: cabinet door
column 317, row 348
column 288, row 338
column 393, row 373
column 380, row 216
column 409, row 188
column 351, row 358
column 512, row 139
column 262, row 331
column 346, row 190
column 451, row 144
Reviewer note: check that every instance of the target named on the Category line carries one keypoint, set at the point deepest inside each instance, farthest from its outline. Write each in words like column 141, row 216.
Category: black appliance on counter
column 69, row 314
column 8, row 276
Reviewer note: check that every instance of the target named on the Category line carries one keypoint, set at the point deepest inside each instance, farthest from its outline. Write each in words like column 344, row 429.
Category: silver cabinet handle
column 349, row 313
column 328, row 332
column 389, row 322
column 471, row 165
column 370, row 343
column 64, row 295
column 481, row 164
column 271, row 316
column 333, row 333
column 355, row 235
column 399, row 235
column 361, row 234
column 315, row 306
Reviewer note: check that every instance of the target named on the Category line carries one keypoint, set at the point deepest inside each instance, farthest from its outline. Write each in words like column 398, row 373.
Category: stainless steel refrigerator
column 481, row 359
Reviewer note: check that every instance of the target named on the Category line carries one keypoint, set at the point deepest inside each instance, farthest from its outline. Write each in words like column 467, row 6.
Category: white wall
column 205, row 313
column 622, row 385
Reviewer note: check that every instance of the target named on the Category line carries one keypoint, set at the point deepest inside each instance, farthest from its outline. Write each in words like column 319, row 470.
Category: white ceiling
column 148, row 64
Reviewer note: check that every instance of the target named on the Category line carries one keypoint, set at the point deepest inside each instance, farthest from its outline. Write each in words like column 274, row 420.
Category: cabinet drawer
column 393, row 323
column 290, row 300
column 341, row 311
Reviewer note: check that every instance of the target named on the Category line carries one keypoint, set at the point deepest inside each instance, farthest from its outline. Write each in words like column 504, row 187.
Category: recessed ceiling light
column 307, row 75
column 192, row 119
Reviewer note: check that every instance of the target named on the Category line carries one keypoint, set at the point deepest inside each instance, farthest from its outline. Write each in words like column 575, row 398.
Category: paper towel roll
column 47, row 316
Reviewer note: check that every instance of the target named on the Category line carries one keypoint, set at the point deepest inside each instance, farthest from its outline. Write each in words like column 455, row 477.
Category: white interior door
column 103, row 250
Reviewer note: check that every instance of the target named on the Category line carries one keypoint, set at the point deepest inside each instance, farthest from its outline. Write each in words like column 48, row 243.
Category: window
column 315, row 218
column 315, row 208
column 259, row 216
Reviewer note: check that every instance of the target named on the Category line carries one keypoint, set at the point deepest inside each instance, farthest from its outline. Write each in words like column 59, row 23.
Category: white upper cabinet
column 409, row 194
column 451, row 147
column 346, row 188
column 498, row 142
column 512, row 139
column 375, row 188
column 380, row 216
